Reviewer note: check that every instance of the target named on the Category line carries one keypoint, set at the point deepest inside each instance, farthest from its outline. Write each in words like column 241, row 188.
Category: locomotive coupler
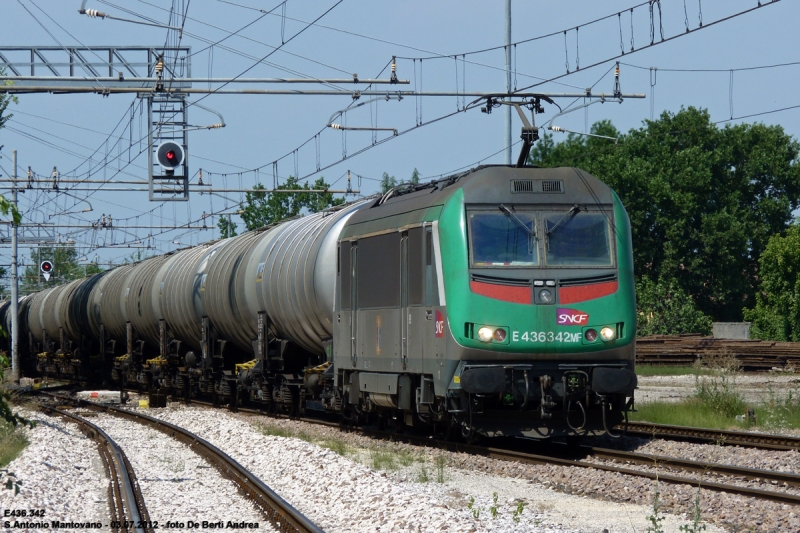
column 545, row 409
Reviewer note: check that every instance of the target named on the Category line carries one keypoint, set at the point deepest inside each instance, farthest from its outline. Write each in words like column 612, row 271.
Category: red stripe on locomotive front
column 517, row 295
column 581, row 293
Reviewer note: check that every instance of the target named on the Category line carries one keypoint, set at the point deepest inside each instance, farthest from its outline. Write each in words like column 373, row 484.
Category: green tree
column 663, row 308
column 387, row 182
column 227, row 227
column 262, row 209
column 776, row 314
column 414, row 176
column 66, row 267
column 703, row 200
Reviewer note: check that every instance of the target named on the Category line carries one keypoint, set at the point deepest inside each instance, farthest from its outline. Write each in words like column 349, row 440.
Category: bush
column 663, row 308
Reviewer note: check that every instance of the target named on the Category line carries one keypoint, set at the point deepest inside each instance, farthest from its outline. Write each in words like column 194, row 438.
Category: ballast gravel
column 476, row 494
column 179, row 486
column 62, row 478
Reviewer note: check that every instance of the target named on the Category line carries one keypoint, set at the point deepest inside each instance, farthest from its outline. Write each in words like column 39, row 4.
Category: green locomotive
column 499, row 301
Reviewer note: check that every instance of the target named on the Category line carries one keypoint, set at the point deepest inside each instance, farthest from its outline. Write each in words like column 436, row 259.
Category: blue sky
column 361, row 37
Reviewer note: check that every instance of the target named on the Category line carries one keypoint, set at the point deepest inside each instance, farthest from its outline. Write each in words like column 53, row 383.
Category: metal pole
column 14, row 280
column 508, row 80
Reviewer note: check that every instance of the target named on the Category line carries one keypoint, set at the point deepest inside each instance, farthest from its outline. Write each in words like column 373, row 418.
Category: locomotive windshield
column 503, row 239
column 577, row 238
column 516, row 238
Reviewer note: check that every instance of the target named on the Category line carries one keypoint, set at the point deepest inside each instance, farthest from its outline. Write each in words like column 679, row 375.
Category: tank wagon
column 499, row 301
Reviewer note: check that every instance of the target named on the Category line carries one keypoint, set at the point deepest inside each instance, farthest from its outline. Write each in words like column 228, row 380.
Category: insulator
column 94, row 13
column 336, row 126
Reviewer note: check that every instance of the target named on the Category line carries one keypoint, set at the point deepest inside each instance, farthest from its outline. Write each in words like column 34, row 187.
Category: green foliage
column 719, row 393
column 414, row 176
column 517, row 514
column 703, row 200
column 657, row 517
column 441, row 463
column 227, row 227
column 663, row 308
column 387, row 182
column 695, row 526
column 66, row 267
column 493, row 508
column 476, row 511
column 776, row 315
column 262, row 209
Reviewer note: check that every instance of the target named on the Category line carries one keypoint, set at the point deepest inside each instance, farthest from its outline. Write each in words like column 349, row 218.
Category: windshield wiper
column 513, row 216
column 574, row 210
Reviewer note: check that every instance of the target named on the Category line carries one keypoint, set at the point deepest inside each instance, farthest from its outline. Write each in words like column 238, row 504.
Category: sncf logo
column 571, row 317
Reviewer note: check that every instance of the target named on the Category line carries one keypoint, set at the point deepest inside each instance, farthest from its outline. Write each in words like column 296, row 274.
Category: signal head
column 170, row 155
column 46, row 267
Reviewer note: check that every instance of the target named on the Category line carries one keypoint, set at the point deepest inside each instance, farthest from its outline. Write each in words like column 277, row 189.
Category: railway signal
column 47, row 269
column 170, row 155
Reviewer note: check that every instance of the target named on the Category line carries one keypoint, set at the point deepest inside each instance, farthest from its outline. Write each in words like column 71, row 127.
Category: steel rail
column 126, row 503
column 285, row 517
column 753, row 474
column 530, row 458
column 600, row 453
column 713, row 436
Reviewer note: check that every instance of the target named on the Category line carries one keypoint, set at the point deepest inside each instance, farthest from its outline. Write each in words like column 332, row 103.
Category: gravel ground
column 342, row 493
column 62, row 475
column 178, row 484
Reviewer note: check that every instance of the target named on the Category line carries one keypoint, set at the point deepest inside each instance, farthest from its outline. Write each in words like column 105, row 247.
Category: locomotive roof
column 491, row 184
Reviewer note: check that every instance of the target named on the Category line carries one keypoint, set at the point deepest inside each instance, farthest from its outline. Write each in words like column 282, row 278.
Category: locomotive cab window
column 503, row 238
column 577, row 237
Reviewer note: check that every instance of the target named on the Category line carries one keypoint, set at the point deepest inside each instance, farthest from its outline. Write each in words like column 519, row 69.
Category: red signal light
column 46, row 266
column 171, row 155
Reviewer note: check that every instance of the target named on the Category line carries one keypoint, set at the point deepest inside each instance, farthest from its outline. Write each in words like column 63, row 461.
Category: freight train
column 498, row 302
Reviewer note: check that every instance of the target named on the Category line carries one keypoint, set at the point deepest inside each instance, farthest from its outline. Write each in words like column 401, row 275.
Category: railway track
column 713, row 436
column 578, row 458
column 126, row 503
column 567, row 458
column 278, row 511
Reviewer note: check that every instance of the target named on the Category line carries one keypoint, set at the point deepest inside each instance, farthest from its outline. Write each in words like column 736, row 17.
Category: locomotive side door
column 404, row 313
column 353, row 303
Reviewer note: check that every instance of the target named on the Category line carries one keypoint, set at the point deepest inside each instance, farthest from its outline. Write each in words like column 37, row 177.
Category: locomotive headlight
column 485, row 334
column 545, row 296
column 607, row 334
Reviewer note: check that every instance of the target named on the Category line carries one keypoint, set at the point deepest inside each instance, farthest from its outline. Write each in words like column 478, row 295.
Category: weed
column 422, row 475
column 476, row 511
column 406, row 457
column 719, row 394
column 12, row 442
column 336, row 445
column 656, row 518
column 274, row 431
column 517, row 514
column 11, row 480
column 493, row 508
column 441, row 462
column 663, row 370
column 382, row 459
column 695, row 526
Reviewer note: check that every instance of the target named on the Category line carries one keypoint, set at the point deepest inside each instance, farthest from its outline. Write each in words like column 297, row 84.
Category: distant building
column 731, row 330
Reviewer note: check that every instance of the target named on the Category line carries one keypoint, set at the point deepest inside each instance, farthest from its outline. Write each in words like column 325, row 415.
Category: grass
column 12, row 442
column 663, row 370
column 378, row 457
column 716, row 403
